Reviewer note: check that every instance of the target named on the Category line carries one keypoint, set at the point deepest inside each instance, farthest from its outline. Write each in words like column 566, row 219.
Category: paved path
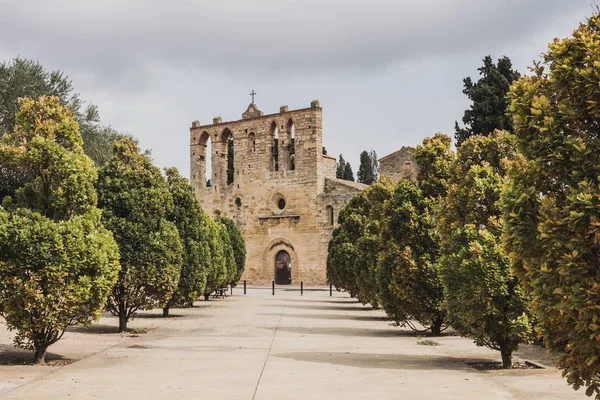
column 288, row 347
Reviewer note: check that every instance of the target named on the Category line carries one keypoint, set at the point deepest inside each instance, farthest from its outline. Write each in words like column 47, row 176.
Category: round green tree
column 57, row 262
column 238, row 246
column 230, row 265
column 484, row 298
column 552, row 200
column 218, row 272
column 135, row 202
column 409, row 286
column 190, row 221
column 355, row 245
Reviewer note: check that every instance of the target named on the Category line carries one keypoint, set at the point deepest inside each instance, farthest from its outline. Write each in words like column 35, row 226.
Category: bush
column 552, row 201
column 57, row 262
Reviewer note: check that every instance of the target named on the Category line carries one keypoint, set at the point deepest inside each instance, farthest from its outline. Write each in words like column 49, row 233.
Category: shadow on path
column 385, row 361
column 95, row 328
column 342, row 301
column 333, row 316
column 143, row 315
column 343, row 331
column 12, row 356
column 326, row 308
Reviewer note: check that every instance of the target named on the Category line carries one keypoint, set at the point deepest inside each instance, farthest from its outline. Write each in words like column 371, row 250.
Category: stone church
column 281, row 192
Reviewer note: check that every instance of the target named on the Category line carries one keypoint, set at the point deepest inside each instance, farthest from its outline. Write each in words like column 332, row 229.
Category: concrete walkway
column 279, row 347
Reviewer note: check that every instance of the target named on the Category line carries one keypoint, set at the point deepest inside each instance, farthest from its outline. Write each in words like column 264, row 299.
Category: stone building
column 400, row 164
column 283, row 193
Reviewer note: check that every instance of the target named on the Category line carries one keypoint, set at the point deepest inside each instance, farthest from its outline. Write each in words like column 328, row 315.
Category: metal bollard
column 301, row 288
column 273, row 287
column 244, row 286
column 231, row 292
column 330, row 289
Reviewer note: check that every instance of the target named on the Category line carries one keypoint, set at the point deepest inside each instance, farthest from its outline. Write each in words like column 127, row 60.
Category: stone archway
column 283, row 268
column 270, row 253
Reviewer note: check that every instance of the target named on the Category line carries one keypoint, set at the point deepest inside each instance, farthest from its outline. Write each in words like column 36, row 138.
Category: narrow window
column 291, row 130
column 228, row 136
column 329, row 212
column 205, row 158
column 252, row 142
column 275, row 147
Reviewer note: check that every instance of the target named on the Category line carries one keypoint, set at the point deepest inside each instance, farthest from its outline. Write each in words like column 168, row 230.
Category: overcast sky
column 388, row 73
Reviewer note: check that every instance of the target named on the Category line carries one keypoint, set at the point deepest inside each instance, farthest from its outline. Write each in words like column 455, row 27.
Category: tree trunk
column 123, row 323
column 206, row 296
column 39, row 356
column 436, row 327
column 506, row 358
column 166, row 311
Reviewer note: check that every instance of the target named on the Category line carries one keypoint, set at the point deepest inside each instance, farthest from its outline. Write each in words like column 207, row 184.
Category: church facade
column 280, row 189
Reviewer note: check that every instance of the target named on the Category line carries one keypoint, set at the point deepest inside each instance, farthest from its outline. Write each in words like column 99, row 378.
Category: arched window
column 275, row 147
column 205, row 158
column 291, row 130
column 227, row 137
column 329, row 213
column 252, row 142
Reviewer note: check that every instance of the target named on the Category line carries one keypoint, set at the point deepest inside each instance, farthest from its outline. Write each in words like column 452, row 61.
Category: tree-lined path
column 282, row 347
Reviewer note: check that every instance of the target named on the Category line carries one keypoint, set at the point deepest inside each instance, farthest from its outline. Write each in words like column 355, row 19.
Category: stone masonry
column 400, row 164
column 284, row 197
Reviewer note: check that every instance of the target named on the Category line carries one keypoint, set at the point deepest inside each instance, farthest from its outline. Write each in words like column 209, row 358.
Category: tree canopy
column 484, row 299
column 136, row 201
column 355, row 246
column 53, row 247
column 190, row 221
column 489, row 107
column 368, row 169
column 551, row 202
column 344, row 170
column 408, row 277
column 218, row 273
column 21, row 78
column 238, row 246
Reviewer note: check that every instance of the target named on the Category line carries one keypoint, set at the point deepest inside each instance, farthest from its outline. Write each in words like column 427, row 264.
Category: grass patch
column 139, row 331
column 427, row 342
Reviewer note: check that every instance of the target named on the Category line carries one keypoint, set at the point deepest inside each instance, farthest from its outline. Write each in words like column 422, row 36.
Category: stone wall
column 400, row 164
column 279, row 203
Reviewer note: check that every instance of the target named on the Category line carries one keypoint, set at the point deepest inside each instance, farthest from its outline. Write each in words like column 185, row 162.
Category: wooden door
column 283, row 268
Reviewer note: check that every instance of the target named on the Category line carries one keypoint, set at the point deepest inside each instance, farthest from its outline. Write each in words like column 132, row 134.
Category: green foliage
column 369, row 167
column 57, row 262
column 191, row 223
column 342, row 253
column 551, row 202
column 434, row 159
column 409, row 286
column 135, row 200
column 230, row 265
column 238, row 246
column 348, row 174
column 344, row 170
column 483, row 297
column 354, row 247
column 339, row 170
column 217, row 276
column 26, row 78
column 488, row 95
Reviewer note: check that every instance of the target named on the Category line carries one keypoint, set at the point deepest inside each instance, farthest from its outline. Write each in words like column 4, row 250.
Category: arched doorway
column 283, row 268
